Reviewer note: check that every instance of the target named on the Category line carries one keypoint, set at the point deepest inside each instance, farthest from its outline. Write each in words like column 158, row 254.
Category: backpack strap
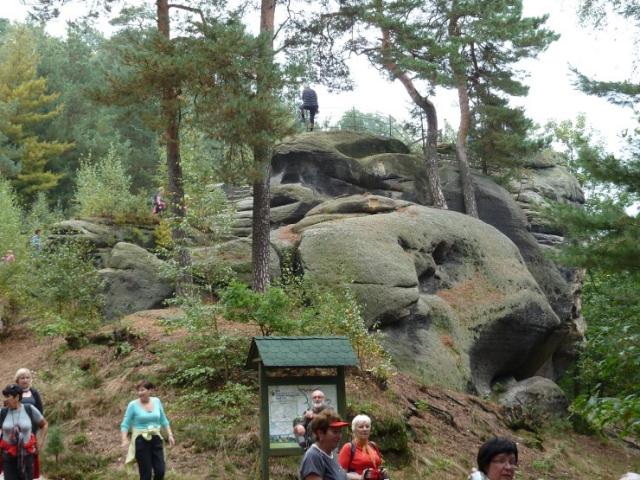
column 353, row 452
column 29, row 409
column 3, row 414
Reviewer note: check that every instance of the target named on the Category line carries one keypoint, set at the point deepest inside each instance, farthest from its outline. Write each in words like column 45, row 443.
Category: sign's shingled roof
column 301, row 352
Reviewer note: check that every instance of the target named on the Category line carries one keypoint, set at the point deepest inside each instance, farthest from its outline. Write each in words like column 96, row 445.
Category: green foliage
column 55, row 442
column 40, row 215
column 608, row 381
column 25, row 104
column 104, row 190
column 268, row 310
column 205, row 360
column 60, row 287
column 231, row 401
column 76, row 465
column 298, row 308
column 11, row 237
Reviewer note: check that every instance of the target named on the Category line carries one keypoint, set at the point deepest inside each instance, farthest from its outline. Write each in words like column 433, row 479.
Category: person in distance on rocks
column 310, row 103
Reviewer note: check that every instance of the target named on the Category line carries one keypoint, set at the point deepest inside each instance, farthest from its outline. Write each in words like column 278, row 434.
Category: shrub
column 206, row 360
column 11, row 220
column 103, row 189
column 55, row 443
column 60, row 287
column 299, row 308
column 271, row 311
column 606, row 379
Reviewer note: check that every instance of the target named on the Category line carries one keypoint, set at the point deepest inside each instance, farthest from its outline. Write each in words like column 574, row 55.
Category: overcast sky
column 605, row 55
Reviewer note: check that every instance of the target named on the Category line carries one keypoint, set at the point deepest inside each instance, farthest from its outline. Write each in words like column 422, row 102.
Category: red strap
column 12, row 450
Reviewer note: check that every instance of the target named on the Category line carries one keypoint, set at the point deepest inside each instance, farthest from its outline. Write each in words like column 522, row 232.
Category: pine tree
column 485, row 39
column 55, row 442
column 25, row 104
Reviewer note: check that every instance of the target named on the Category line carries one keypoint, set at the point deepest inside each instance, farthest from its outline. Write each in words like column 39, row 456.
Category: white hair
column 630, row 476
column 358, row 419
column 24, row 371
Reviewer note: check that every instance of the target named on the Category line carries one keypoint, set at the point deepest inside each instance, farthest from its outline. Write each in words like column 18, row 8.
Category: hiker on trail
column 318, row 462
column 497, row 460
column 36, row 240
column 30, row 396
column 309, row 102
column 19, row 443
column 159, row 205
column 301, row 428
column 360, row 457
column 24, row 379
column 144, row 419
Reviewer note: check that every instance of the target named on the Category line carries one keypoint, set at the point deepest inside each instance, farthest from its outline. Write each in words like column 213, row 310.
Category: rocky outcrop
column 466, row 303
column 452, row 294
column 133, row 280
column 235, row 255
column 102, row 233
column 533, row 401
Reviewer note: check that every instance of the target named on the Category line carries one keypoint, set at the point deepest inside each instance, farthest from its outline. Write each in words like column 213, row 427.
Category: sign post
column 286, row 385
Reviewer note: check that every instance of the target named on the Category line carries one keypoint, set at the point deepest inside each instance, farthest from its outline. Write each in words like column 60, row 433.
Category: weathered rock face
column 452, row 293
column 133, row 281
column 103, row 234
column 235, row 254
column 405, row 281
column 534, row 400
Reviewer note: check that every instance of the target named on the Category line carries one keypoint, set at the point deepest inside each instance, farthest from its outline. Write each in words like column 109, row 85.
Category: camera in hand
column 375, row 474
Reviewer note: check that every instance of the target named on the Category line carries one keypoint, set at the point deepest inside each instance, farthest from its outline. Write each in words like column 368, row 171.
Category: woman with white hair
column 361, row 457
column 24, row 378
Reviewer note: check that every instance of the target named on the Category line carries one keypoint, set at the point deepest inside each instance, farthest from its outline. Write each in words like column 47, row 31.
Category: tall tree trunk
column 262, row 156
column 430, row 151
column 466, row 180
column 171, row 116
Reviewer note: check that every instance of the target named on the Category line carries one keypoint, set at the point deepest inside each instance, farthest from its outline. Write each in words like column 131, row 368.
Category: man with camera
column 301, row 429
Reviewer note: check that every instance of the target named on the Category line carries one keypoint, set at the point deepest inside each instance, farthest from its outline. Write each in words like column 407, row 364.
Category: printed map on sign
column 287, row 402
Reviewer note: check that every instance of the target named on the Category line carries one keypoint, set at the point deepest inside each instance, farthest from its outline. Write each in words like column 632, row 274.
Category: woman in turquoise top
column 145, row 418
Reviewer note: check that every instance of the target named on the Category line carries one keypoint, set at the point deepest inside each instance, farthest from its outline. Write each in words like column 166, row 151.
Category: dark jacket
column 309, row 98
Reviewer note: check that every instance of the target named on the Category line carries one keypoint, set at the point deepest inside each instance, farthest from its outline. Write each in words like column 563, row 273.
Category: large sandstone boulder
column 452, row 293
column 134, row 280
column 533, row 401
column 424, row 284
column 102, row 233
column 234, row 254
column 346, row 163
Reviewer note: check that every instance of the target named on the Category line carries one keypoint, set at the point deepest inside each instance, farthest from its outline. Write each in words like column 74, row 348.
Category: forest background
column 89, row 127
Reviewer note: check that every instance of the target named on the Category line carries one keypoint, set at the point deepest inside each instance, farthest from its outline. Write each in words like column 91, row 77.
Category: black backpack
column 28, row 408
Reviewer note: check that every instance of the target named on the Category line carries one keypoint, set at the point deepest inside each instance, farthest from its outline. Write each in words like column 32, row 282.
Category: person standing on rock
column 310, row 103
column 145, row 418
column 19, row 443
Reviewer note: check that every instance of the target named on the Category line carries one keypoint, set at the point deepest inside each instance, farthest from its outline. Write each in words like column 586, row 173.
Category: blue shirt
column 136, row 417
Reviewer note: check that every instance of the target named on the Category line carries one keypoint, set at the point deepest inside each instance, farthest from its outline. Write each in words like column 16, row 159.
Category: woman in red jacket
column 361, row 457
